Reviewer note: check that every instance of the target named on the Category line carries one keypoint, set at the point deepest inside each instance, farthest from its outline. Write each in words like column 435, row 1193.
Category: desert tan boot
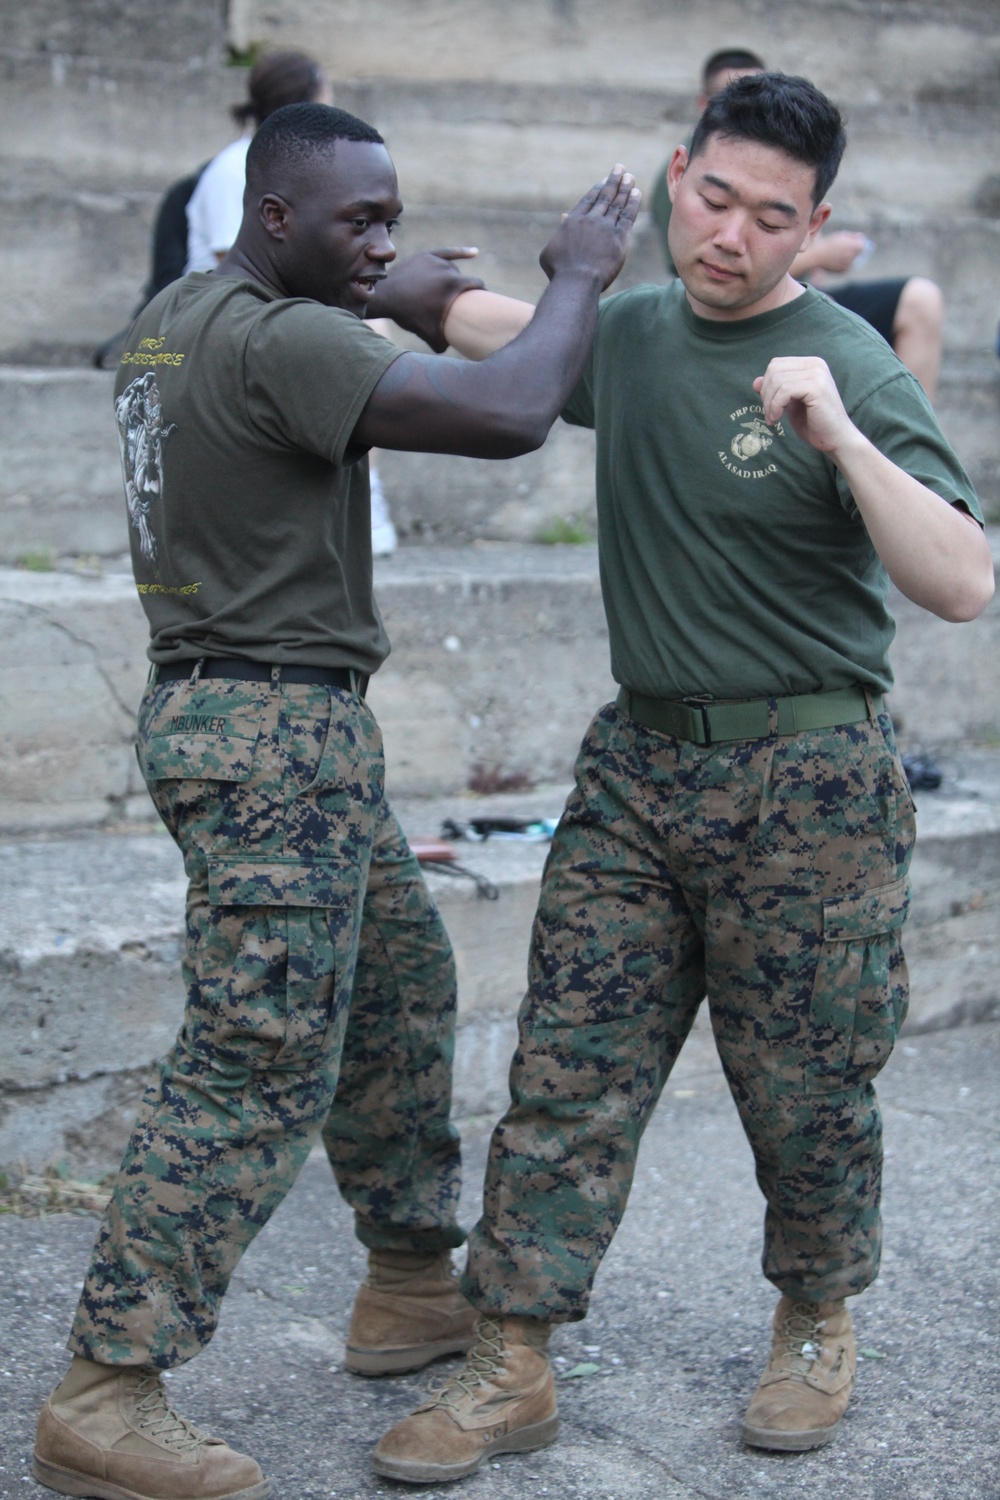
column 408, row 1312
column 805, row 1389
column 502, row 1401
column 108, row 1431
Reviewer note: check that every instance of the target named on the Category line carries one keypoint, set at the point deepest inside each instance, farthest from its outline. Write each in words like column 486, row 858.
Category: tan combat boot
column 804, row 1391
column 501, row 1401
column 408, row 1312
column 108, row 1431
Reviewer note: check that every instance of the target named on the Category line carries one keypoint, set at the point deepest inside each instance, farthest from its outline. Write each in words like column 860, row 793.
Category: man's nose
column 380, row 246
column 731, row 233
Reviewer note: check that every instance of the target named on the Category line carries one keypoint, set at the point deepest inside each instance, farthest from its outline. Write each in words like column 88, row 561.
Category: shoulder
column 860, row 360
column 638, row 304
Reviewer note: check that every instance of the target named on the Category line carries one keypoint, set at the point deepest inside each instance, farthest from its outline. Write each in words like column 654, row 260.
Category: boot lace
column 155, row 1415
column 802, row 1333
column 482, row 1362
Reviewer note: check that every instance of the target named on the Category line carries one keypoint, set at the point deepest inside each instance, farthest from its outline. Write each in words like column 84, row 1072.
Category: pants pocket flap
column 864, row 914
column 280, row 882
column 207, row 732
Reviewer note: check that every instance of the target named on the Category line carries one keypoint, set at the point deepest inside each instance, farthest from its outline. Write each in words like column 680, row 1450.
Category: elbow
column 974, row 604
column 969, row 602
column 523, row 432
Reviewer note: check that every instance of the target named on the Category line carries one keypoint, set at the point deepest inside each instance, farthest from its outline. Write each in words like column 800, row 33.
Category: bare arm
column 835, row 253
column 935, row 553
column 417, row 293
column 480, row 323
column 506, row 404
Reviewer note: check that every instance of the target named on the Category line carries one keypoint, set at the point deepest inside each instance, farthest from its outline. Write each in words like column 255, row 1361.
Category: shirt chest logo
column 748, row 455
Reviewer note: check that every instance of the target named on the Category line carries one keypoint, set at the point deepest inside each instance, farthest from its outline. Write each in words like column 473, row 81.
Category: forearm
column 503, row 405
column 480, row 322
column 808, row 260
column 935, row 553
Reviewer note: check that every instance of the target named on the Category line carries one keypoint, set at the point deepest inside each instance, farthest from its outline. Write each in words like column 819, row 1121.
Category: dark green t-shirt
column 249, row 511
column 734, row 562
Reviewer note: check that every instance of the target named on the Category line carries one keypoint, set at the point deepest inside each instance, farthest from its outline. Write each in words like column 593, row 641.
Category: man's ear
column 676, row 169
column 274, row 214
column 820, row 214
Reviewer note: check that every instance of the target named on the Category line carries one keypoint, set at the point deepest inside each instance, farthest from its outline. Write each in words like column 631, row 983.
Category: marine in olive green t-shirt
column 734, row 562
column 248, row 507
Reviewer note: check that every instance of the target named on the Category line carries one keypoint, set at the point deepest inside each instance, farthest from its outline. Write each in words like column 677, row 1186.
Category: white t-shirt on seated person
column 215, row 208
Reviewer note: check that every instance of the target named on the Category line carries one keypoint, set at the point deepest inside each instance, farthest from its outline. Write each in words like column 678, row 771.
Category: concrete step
column 61, row 494
column 899, row 54
column 186, row 32
column 465, row 140
column 894, row 51
column 499, row 659
column 93, row 927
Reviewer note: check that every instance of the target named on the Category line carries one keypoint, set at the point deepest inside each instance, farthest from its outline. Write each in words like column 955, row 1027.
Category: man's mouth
column 719, row 273
column 365, row 285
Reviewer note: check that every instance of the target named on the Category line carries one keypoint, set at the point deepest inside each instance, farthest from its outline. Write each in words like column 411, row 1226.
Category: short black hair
column 295, row 133
column 726, row 60
column 777, row 110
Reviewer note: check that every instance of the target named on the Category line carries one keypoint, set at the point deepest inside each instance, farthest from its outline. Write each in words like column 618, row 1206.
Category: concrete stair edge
column 62, row 986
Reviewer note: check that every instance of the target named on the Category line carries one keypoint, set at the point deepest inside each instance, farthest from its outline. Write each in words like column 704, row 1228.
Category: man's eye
column 360, row 223
column 771, row 228
column 710, row 203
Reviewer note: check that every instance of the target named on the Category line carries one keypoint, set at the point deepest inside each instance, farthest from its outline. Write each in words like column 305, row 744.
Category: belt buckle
column 701, row 704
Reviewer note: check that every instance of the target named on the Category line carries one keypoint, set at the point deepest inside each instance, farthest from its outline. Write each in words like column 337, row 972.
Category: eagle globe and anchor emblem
column 755, row 439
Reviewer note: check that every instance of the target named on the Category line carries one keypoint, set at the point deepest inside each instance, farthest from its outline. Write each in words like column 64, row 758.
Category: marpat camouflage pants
column 771, row 874
column 297, row 873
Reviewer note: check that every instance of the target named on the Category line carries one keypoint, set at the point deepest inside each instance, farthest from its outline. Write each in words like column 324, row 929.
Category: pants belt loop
column 275, row 678
column 870, row 700
column 772, row 716
column 196, row 671
column 354, row 682
column 151, row 676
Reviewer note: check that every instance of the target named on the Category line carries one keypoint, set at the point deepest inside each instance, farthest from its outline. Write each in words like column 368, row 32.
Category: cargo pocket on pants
column 860, row 987
column 302, row 918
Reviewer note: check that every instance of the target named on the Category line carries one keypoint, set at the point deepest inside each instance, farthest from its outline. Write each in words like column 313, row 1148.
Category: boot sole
column 789, row 1442
column 524, row 1440
column 373, row 1362
column 68, row 1482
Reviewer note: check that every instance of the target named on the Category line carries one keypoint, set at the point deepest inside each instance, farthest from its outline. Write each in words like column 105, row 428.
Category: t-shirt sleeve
column 579, row 409
column 309, row 371
column 897, row 417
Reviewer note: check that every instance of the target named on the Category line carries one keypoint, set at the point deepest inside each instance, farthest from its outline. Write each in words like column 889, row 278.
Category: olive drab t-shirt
column 734, row 562
column 249, row 512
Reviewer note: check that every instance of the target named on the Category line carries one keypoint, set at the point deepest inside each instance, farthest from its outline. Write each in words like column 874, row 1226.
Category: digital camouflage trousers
column 312, row 946
column 769, row 874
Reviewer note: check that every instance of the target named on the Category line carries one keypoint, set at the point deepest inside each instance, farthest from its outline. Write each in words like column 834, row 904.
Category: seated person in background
column 215, row 208
column 908, row 311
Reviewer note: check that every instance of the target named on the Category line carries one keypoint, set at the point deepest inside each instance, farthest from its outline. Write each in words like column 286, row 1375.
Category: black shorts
column 875, row 301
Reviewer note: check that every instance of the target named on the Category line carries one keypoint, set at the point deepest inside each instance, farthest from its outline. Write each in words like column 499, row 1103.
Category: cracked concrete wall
column 68, row 692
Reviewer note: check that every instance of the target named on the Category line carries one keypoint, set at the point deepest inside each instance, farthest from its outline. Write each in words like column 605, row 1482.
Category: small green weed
column 565, row 529
column 244, row 57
